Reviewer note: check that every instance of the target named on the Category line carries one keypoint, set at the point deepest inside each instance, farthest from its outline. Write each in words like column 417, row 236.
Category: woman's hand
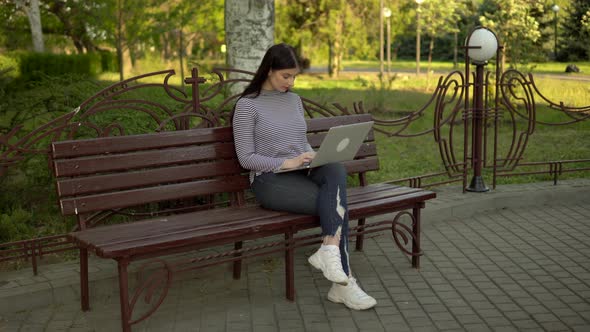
column 303, row 158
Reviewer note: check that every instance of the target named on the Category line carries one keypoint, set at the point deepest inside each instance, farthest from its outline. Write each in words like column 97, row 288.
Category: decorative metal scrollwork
column 148, row 283
column 404, row 235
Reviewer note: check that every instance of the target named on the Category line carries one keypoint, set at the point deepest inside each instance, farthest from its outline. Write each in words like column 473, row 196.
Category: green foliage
column 514, row 25
column 8, row 71
column 574, row 34
column 15, row 225
column 108, row 62
column 9, row 64
column 33, row 66
column 25, row 208
column 347, row 29
column 31, row 104
column 440, row 16
column 329, row 30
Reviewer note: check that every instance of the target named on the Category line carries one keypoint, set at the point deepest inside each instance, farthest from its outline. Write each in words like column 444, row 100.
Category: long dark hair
column 277, row 57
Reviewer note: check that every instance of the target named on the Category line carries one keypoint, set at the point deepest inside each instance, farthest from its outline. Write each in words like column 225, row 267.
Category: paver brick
column 514, row 269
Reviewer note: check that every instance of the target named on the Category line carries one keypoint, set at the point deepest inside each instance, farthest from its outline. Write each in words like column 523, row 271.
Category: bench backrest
column 111, row 173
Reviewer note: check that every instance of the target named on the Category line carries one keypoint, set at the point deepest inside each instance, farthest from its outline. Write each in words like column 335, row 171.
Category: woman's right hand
column 305, row 157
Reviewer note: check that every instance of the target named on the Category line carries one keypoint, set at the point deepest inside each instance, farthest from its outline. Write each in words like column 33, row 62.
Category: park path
column 513, row 259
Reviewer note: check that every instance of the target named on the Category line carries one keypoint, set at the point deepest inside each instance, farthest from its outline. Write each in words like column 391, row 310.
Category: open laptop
column 340, row 144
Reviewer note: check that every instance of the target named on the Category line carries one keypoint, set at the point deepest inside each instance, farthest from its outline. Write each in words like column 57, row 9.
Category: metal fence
column 464, row 130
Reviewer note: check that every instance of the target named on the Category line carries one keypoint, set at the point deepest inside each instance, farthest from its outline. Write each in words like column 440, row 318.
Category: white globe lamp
column 482, row 45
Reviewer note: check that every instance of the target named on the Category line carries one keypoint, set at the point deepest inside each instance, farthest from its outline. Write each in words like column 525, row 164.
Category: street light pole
column 387, row 15
column 482, row 45
column 381, row 39
column 555, row 9
column 181, row 54
column 418, row 2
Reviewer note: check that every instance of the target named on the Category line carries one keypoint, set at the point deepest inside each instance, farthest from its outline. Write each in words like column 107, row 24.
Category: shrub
column 8, row 65
column 15, row 225
column 33, row 66
column 108, row 62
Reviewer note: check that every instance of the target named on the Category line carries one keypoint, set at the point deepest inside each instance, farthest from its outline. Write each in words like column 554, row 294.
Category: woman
column 270, row 134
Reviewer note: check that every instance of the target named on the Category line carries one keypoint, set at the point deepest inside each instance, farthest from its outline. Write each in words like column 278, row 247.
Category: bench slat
column 127, row 180
column 389, row 204
column 152, row 158
column 384, row 192
column 361, row 165
column 134, row 197
column 118, row 144
column 121, row 233
column 231, row 232
column 187, row 229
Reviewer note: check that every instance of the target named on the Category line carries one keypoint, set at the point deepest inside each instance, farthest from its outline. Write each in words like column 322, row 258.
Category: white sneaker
column 351, row 295
column 328, row 260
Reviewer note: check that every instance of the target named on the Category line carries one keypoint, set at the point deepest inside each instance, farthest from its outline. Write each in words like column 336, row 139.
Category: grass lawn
column 410, row 156
column 405, row 93
column 445, row 66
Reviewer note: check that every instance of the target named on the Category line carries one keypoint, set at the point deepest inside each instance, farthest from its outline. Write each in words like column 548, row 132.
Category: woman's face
column 280, row 80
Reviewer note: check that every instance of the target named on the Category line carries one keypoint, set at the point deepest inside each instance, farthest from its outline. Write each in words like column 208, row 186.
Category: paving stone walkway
column 514, row 259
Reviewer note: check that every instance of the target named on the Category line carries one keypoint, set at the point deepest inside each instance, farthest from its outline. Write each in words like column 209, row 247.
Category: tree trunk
column 165, row 46
column 123, row 51
column 330, row 58
column 249, row 32
column 455, row 49
column 337, row 42
column 336, row 55
column 34, row 15
column 430, row 49
column 119, row 37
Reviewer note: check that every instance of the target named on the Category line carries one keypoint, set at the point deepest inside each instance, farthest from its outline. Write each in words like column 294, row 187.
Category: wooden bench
column 99, row 177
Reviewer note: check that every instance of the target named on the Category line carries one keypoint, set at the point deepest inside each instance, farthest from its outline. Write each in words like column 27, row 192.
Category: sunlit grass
column 406, row 157
column 447, row 66
column 404, row 93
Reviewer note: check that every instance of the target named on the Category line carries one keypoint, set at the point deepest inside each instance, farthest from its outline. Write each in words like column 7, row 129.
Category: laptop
column 340, row 144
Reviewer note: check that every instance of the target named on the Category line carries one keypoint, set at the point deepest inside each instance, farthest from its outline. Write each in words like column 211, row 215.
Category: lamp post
column 381, row 39
column 555, row 10
column 418, row 2
column 387, row 15
column 481, row 45
column 180, row 55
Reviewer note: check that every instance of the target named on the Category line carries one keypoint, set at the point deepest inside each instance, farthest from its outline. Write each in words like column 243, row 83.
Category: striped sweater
column 268, row 130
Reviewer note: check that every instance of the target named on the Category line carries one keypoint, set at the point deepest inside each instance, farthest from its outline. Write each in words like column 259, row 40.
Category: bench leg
column 84, row 294
column 360, row 239
column 124, row 295
column 416, row 238
column 238, row 263
column 289, row 267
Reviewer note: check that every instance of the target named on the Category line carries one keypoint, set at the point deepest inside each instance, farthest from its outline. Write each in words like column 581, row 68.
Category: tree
column 77, row 18
column 512, row 22
column 440, row 17
column 249, row 32
column 586, row 22
column 574, row 38
column 31, row 8
column 336, row 27
column 204, row 27
column 133, row 24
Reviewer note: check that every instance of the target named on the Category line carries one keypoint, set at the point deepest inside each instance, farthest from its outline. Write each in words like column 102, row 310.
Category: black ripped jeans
column 320, row 191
